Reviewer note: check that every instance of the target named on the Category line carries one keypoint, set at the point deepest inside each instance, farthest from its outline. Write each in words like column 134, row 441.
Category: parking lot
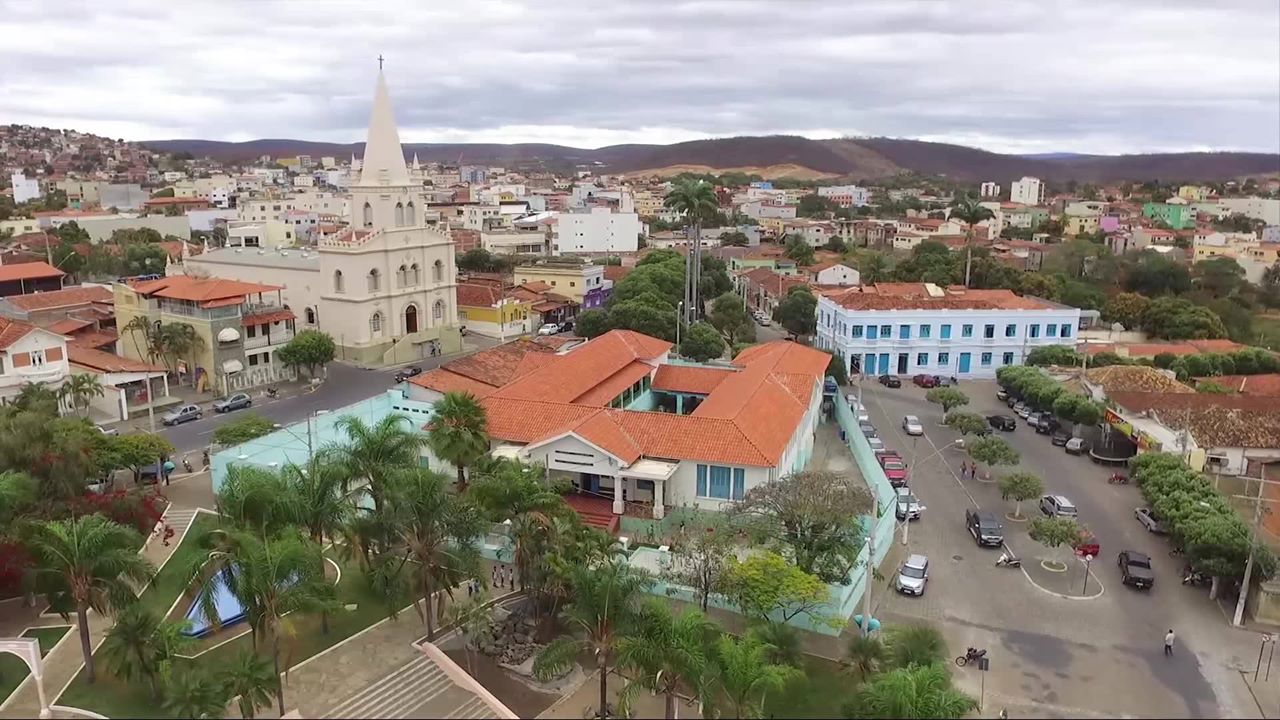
column 1056, row 646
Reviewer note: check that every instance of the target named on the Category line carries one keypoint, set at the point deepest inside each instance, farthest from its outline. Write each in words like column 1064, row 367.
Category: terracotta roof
column 444, row 381
column 1183, row 347
column 478, row 295
column 267, row 317
column 1134, row 378
column 11, row 331
column 575, row 374
column 549, row 305
column 98, row 339
column 614, row 385
column 1215, row 421
column 1267, row 384
column 66, row 326
column 773, row 283
column 496, row 366
column 105, row 361
column 209, row 292
column 689, row 379
column 29, row 271
column 914, row 296
column 536, row 286
column 66, row 297
column 616, row 272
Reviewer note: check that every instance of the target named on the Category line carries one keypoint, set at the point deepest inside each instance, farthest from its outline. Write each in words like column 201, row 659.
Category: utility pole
column 1238, row 618
column 870, row 576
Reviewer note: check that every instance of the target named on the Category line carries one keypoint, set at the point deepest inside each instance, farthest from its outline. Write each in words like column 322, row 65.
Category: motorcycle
column 971, row 655
column 1118, row 479
column 1194, row 577
column 272, row 392
column 1007, row 560
column 186, row 464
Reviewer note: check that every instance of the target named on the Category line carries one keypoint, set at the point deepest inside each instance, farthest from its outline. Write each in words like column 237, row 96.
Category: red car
column 894, row 469
column 925, row 381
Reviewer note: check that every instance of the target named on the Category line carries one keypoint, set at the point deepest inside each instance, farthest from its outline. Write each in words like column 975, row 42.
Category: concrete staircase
column 595, row 512
column 417, row 689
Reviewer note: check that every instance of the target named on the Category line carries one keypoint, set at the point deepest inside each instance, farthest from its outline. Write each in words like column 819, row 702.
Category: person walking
column 1168, row 642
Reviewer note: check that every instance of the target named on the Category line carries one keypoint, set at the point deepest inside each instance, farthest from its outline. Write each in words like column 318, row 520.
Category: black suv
column 984, row 527
column 1047, row 424
column 1135, row 570
column 890, row 381
column 1002, row 422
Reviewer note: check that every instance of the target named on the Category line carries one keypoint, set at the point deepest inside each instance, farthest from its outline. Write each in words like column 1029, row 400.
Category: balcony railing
column 260, row 341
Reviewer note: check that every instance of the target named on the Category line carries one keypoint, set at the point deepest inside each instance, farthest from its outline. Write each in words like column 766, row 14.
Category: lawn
column 820, row 693
column 1267, row 329
column 115, row 698
column 13, row 671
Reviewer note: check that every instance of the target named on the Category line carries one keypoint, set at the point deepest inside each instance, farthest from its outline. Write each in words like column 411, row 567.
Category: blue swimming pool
column 229, row 609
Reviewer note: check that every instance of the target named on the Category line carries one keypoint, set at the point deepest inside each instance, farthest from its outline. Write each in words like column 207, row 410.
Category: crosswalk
column 418, row 689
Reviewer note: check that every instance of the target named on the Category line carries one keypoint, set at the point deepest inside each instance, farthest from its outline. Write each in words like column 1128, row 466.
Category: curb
column 1101, row 588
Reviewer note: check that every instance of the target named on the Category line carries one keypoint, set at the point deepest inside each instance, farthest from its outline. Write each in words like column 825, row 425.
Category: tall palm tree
column 372, row 452
column 697, row 201
column 915, row 645
column 256, row 499
column 438, row 531
column 270, row 578
column 87, row 563
column 781, row 640
column 968, row 211
column 180, row 340
column 922, row 692
column 664, row 652
column 140, row 645
column 195, row 694
column 249, row 678
column 744, row 677
column 80, row 389
column 458, row 432
column 603, row 609
column 317, row 503
column 864, row 655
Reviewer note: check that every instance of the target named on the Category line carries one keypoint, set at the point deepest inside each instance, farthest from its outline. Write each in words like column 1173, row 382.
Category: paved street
column 1051, row 655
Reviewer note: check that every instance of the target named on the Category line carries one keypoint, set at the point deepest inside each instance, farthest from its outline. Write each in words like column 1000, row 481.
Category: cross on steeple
column 379, row 61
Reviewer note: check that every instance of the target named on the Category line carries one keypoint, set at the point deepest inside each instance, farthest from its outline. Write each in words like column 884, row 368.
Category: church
column 385, row 287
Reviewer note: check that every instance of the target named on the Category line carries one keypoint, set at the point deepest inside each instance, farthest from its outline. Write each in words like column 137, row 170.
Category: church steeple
column 383, row 162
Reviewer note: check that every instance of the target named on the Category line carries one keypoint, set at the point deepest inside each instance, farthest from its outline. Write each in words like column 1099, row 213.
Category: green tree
column 923, row 692
column 814, row 205
column 766, row 584
column 1076, row 408
column 1175, row 318
column 1154, row 274
column 472, row 616
column 734, row 238
column 701, row 342
column 784, row 642
column 194, row 694
column 139, row 450
column 310, row 349
column 592, row 323
column 836, row 369
column 865, row 655
column 743, row 677
column 86, row 563
column 729, row 316
column 992, row 451
column 1126, row 309
column 966, row 423
column 180, row 340
column 372, row 452
column 458, row 432
column 1053, row 355
column 80, row 389
column 1041, row 285
column 1055, row 532
column 242, row 430
column 602, row 611
column 249, row 678
column 798, row 312
column 948, row 397
column 666, row 651
column 873, row 267
column 256, row 499
column 702, row 554
column 140, row 645
column 970, row 212
column 799, row 249
column 695, row 200
column 915, row 646
column 140, row 259
column 1219, row 276
column 1020, row 487
column 644, row 316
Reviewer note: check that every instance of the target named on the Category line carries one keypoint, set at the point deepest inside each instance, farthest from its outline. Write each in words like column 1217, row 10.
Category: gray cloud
column 1011, row 75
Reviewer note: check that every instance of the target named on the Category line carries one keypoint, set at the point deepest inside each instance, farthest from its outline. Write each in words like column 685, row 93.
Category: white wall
column 599, row 231
column 1028, row 191
column 25, row 188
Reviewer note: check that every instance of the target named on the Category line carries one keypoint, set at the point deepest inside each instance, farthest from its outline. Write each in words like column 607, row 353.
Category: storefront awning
column 232, row 366
column 228, row 334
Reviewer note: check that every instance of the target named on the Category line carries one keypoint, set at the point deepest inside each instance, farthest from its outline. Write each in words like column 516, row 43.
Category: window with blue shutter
column 871, row 332
column 946, row 332
column 1051, row 330
column 702, row 481
column 904, row 332
column 719, row 485
column 739, row 483
column 926, row 331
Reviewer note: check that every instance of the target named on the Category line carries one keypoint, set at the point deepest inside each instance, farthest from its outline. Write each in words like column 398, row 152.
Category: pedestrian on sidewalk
column 1168, row 642
column 964, row 469
column 493, row 577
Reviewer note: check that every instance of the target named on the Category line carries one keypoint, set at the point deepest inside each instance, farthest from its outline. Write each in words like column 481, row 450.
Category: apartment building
column 1027, row 191
column 846, row 195
column 989, row 190
column 583, row 283
column 597, row 231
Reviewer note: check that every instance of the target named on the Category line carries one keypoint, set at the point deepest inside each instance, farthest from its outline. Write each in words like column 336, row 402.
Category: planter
column 1053, row 566
column 1015, row 518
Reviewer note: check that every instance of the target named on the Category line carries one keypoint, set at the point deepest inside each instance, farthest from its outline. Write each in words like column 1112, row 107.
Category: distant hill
column 858, row 158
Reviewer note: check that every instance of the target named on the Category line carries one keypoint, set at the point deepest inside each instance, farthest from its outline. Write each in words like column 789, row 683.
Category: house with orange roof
column 630, row 428
column 128, row 384
column 29, row 277
column 491, row 310
column 923, row 328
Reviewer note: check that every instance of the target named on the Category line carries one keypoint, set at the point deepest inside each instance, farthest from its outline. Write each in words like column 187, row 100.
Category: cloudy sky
column 1025, row 76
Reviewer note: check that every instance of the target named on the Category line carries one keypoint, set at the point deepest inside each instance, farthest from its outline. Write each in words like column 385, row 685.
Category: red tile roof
column 11, row 331
column 99, row 339
column 29, row 271
column 689, row 379
column 477, row 295
column 1266, row 385
column 107, row 362
column 267, row 317
column 614, row 385
column 444, row 381
column 209, row 292
column 914, row 296
column 66, row 297
column 66, row 326
column 575, row 374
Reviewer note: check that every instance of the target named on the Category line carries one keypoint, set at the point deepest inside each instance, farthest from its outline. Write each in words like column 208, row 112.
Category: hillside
column 859, row 158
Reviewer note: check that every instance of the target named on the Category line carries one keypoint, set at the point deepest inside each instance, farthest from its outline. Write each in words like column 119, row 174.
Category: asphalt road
column 1072, row 656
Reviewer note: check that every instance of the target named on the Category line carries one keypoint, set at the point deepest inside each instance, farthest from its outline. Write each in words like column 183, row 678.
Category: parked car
column 1012, row 401
column 830, row 387
column 1058, row 506
column 186, row 413
column 890, row 381
column 895, row 470
column 234, row 402
column 549, row 329
column 1023, row 411
column 1135, row 569
column 985, row 527
column 1076, row 446
column 406, row 373
column 912, row 575
column 566, row 326
column 1002, row 394
column 1033, row 419
column 1047, row 424
column 765, row 321
column 868, row 430
column 908, row 505
column 1148, row 518
column 1002, row 422
column 1060, row 437
column 911, row 425
column 857, row 409
column 877, row 445
column 944, row 381
column 925, row 381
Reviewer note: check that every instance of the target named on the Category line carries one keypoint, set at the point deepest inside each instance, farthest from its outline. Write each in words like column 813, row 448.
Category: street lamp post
column 679, row 317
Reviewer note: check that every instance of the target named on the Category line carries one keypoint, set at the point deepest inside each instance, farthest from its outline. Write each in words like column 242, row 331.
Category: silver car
column 911, row 425
column 909, row 507
column 912, row 575
column 1148, row 518
column 877, row 445
column 186, row 413
column 1058, row 506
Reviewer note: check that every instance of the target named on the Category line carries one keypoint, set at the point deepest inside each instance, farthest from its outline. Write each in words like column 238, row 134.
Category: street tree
column 138, row 450
column 701, row 342
column 592, row 323
column 970, row 212
column 798, row 312
column 948, row 397
column 992, row 451
column 812, row 517
column 458, row 432
column 702, row 552
column 1053, row 355
column 1127, row 309
column 966, row 423
column 1020, row 487
column 242, row 430
column 309, row 349
column 1055, row 532
column 1076, row 408
column 743, row 677
column 766, row 584
column 730, row 317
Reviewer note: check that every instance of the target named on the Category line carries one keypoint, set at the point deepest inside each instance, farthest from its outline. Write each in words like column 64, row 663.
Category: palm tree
column 87, row 563
column 664, row 651
column 140, row 645
column 270, row 578
column 256, row 499
column 372, row 452
column 438, row 531
column 865, row 655
column 782, row 641
column 36, row 396
column 603, row 608
column 697, row 201
column 744, row 677
column 249, row 678
column 874, row 267
column 915, row 645
column 316, row 490
column 80, row 389
column 968, row 211
column 194, row 694
column 458, row 432
column 922, row 692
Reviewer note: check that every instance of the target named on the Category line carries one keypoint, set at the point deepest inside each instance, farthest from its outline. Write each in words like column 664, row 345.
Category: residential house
column 489, row 309
column 1176, row 213
column 19, row 226
column 1219, row 434
column 91, row 303
column 29, row 354
column 581, row 282
column 831, row 273
column 29, row 277
column 128, row 385
column 764, row 288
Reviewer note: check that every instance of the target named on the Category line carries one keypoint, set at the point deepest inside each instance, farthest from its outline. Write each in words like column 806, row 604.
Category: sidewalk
column 186, row 395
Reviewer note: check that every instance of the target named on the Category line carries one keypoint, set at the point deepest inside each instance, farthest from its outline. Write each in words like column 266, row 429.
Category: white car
column 911, row 425
column 857, row 409
column 912, row 575
column 549, row 329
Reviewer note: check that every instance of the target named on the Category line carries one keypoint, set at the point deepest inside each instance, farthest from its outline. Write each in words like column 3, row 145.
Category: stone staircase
column 417, row 689
column 596, row 512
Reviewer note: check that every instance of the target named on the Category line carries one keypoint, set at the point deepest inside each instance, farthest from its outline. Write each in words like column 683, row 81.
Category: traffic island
column 1071, row 580
column 1016, row 518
